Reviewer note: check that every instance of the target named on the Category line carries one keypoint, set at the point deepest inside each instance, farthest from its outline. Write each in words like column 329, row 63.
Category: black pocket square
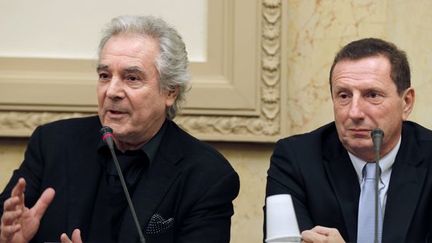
column 158, row 224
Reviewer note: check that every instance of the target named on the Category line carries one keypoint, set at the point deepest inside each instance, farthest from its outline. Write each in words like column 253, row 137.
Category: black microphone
column 377, row 140
column 107, row 137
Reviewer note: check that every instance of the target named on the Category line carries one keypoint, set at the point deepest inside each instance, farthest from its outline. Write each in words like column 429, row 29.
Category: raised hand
column 76, row 237
column 18, row 223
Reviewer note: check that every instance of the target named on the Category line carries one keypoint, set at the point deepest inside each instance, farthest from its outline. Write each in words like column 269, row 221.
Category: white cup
column 281, row 221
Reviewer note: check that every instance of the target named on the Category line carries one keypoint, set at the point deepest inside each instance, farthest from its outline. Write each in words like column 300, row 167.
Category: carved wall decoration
column 14, row 123
column 243, row 79
column 266, row 126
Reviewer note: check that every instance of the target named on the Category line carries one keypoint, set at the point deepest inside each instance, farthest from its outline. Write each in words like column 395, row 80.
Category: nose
column 115, row 89
column 356, row 109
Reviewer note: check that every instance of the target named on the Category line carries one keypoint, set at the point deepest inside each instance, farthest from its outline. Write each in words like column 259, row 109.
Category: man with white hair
column 68, row 186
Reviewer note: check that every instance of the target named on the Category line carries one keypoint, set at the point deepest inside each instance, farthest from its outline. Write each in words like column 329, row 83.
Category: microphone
column 107, row 137
column 377, row 139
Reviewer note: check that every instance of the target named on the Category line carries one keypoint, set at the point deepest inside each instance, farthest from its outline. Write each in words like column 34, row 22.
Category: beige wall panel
column 409, row 25
column 11, row 155
column 70, row 29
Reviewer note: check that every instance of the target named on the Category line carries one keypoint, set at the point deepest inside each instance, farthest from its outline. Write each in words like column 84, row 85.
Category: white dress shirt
column 385, row 164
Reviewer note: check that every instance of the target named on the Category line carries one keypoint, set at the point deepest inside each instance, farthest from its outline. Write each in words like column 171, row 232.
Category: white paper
column 281, row 221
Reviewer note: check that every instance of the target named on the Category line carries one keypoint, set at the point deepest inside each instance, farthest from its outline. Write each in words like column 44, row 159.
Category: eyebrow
column 134, row 69
column 101, row 67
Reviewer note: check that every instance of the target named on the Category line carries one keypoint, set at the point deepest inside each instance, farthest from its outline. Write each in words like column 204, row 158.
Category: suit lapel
column 404, row 190
column 151, row 190
column 343, row 179
column 83, row 173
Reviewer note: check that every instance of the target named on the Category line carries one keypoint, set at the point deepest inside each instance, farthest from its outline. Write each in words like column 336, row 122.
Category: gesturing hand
column 76, row 237
column 18, row 223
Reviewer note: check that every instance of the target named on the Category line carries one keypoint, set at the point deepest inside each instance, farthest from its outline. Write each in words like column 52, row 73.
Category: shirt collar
column 385, row 162
column 150, row 148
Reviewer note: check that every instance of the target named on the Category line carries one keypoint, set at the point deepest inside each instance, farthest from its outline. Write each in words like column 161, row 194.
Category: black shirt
column 111, row 204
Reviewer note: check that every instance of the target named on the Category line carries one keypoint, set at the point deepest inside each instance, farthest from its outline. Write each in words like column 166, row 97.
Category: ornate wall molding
column 266, row 126
column 22, row 124
column 256, row 117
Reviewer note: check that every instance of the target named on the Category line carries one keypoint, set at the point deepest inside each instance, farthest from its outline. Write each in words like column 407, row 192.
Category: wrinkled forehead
column 362, row 68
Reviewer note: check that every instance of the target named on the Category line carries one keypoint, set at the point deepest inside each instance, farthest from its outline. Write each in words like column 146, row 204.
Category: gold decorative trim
column 267, row 125
column 22, row 124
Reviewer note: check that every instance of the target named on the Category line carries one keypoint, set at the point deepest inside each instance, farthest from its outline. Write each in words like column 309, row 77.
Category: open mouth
column 115, row 112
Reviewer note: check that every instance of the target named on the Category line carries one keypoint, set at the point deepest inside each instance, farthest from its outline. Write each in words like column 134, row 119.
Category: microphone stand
column 377, row 201
column 377, row 137
column 107, row 137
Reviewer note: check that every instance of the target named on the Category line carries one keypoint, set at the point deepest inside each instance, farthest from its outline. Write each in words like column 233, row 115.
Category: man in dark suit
column 67, row 185
column 322, row 170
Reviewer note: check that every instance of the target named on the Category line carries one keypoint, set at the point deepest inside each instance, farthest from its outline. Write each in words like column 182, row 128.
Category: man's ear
column 171, row 96
column 408, row 99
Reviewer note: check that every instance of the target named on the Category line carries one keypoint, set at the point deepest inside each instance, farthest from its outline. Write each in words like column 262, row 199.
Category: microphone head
column 377, row 133
column 377, row 138
column 107, row 134
column 106, row 130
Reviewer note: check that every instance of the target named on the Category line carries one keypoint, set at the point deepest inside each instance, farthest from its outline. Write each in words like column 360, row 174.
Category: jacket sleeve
column 285, row 177
column 209, row 220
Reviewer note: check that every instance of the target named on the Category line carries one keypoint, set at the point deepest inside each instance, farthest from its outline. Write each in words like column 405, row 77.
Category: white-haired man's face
column 130, row 100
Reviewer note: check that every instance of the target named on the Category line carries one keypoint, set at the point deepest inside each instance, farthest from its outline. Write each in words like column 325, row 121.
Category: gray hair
column 172, row 62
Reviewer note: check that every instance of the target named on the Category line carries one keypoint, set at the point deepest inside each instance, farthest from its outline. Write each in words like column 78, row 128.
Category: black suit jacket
column 316, row 170
column 188, row 183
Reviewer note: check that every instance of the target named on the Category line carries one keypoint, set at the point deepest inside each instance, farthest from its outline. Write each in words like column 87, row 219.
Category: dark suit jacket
column 188, row 181
column 316, row 170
